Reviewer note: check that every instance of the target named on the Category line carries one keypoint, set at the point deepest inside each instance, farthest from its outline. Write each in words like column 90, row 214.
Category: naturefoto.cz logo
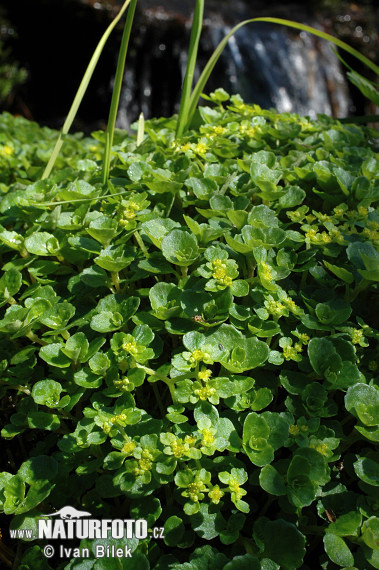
column 68, row 523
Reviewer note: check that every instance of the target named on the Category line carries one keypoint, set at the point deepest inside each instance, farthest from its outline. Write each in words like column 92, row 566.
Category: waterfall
column 266, row 64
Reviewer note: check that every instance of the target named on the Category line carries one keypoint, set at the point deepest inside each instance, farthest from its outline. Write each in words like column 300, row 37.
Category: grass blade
column 216, row 54
column 141, row 129
column 117, row 90
column 197, row 25
column 81, row 91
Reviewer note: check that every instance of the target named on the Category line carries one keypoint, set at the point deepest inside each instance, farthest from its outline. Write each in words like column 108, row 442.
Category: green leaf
column 76, row 347
column 337, row 550
column 41, row 243
column 346, row 525
column 53, row 355
column 115, row 258
column 367, row 470
column 173, row 531
column 103, row 229
column 333, row 312
column 271, row 481
column 363, row 401
column 47, row 393
column 180, row 247
column 281, row 542
column 370, row 532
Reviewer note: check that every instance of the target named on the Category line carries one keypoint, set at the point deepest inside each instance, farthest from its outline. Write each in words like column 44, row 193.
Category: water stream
column 268, row 65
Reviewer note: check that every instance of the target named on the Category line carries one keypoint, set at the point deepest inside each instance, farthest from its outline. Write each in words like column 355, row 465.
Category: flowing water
column 265, row 64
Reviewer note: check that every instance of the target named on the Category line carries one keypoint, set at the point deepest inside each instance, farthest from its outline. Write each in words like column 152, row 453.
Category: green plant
column 11, row 74
column 198, row 347
column 190, row 100
column 85, row 82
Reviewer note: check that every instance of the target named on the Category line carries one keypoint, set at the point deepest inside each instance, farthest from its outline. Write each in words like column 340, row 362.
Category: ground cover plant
column 199, row 346
column 189, row 335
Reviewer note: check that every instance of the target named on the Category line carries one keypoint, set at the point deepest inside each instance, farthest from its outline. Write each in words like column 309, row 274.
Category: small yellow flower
column 311, row 234
column 216, row 494
column 128, row 446
column 266, row 272
column 178, row 448
column 205, row 374
column 205, row 392
column 130, row 347
column 275, row 307
column 235, row 488
column 198, row 355
column 6, row 150
column 321, row 448
column 208, row 437
column 290, row 353
column 200, row 148
column 294, row 430
column 304, row 338
column 190, row 440
column 144, row 464
column 362, row 211
column 357, row 336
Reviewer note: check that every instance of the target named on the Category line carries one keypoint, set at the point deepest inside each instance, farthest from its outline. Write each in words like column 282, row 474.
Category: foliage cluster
column 11, row 74
column 195, row 342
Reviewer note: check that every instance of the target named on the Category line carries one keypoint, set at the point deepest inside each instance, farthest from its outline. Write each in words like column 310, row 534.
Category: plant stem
column 117, row 90
column 81, row 91
column 197, row 24
column 140, row 242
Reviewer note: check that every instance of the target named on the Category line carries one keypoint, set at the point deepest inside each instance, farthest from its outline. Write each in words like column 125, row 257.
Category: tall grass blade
column 199, row 87
column 141, row 129
column 197, row 25
column 81, row 91
column 117, row 90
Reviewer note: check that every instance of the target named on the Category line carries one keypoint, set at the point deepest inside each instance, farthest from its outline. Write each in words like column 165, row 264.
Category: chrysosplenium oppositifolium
column 195, row 344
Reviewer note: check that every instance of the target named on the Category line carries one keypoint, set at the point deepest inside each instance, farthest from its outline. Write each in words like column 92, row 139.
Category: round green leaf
column 47, row 393
column 337, row 550
column 180, row 247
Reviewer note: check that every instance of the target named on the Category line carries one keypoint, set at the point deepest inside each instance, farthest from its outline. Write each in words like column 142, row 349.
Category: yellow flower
column 200, row 148
column 357, row 336
column 6, row 150
column 208, row 437
column 294, row 430
column 216, row 494
column 220, row 130
column 144, row 464
column 304, row 338
column 205, row 392
column 178, row 448
column 290, row 353
column 321, row 448
column 198, row 355
column 128, row 446
column 266, row 272
column 130, row 347
column 190, row 440
column 205, row 374
column 235, row 488
column 274, row 307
